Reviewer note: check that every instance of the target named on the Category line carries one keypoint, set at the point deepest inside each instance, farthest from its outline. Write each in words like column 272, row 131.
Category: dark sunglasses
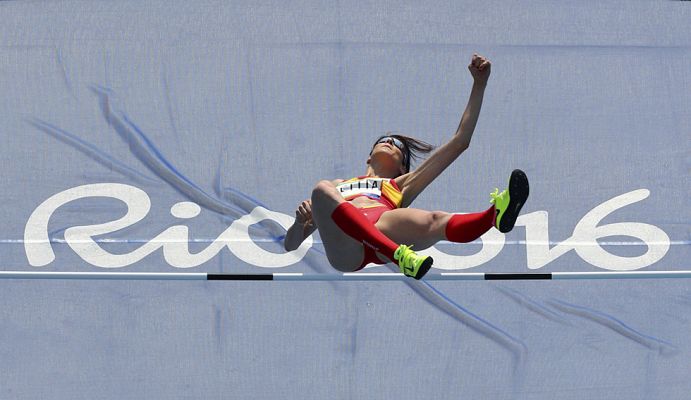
column 393, row 141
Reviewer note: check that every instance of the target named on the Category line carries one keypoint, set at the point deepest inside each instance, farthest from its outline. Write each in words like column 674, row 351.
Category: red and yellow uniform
column 382, row 190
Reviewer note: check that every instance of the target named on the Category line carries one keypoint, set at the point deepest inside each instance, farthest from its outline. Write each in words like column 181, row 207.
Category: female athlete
column 365, row 219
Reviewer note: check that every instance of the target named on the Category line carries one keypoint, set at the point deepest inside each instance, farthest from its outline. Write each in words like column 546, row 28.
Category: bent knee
column 324, row 189
column 437, row 219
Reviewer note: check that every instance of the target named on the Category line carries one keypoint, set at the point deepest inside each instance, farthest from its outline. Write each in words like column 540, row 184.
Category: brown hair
column 413, row 147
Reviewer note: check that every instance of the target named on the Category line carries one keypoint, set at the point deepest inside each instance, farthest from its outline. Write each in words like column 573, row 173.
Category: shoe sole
column 518, row 194
column 424, row 268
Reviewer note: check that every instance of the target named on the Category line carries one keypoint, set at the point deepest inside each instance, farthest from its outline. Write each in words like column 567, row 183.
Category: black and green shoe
column 509, row 202
column 412, row 264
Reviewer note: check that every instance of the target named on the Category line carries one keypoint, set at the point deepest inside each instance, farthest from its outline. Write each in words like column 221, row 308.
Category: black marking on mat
column 239, row 277
column 511, row 277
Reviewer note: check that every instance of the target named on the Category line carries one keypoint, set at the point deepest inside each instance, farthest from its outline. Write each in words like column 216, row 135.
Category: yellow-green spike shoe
column 410, row 263
column 509, row 202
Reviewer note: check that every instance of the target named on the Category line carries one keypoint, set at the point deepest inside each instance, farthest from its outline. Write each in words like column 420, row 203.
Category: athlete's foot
column 509, row 202
column 410, row 263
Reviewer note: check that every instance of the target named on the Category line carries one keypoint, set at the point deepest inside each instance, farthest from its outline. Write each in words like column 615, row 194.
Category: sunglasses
column 393, row 141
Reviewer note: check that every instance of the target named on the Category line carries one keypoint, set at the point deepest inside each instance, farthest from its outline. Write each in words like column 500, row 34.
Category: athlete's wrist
column 480, row 84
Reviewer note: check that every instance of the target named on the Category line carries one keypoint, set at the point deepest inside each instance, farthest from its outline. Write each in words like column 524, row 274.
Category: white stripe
column 622, row 275
column 103, row 275
column 465, row 276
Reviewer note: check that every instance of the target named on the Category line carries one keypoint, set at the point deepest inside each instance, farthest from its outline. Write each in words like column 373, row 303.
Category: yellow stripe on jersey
column 391, row 193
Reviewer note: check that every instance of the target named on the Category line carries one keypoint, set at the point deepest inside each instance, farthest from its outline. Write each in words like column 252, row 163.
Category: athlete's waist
column 377, row 201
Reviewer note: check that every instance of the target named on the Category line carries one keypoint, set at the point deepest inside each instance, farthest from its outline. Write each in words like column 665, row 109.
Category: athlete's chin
column 385, row 154
column 387, row 162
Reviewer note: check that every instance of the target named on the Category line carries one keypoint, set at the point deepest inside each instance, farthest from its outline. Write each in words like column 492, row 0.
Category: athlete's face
column 393, row 146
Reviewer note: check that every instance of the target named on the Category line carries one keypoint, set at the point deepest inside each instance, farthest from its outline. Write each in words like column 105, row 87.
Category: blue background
column 240, row 104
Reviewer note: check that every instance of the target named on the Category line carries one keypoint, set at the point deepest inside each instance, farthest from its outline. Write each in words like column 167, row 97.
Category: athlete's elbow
column 460, row 143
column 461, row 147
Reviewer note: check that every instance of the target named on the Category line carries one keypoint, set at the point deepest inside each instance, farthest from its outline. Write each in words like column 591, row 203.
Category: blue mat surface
column 180, row 137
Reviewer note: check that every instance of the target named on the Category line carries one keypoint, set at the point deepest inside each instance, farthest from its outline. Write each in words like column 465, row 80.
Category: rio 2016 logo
column 174, row 240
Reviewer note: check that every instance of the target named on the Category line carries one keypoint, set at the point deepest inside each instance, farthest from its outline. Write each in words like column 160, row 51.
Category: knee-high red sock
column 354, row 224
column 464, row 228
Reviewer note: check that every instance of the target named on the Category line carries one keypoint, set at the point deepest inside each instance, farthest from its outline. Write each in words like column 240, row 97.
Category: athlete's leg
column 344, row 253
column 425, row 228
column 419, row 228
column 349, row 220
column 343, row 220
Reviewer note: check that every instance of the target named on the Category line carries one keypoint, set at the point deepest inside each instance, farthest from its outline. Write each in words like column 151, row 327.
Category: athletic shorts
column 374, row 213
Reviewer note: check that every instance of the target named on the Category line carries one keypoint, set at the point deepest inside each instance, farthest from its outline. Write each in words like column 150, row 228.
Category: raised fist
column 480, row 68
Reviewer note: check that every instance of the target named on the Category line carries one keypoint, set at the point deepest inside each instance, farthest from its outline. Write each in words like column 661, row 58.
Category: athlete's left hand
column 480, row 68
column 303, row 215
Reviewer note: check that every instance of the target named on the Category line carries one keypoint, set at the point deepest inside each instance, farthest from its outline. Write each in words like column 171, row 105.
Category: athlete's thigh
column 344, row 252
column 411, row 226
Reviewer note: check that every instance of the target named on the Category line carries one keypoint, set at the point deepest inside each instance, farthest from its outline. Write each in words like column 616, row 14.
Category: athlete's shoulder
column 394, row 184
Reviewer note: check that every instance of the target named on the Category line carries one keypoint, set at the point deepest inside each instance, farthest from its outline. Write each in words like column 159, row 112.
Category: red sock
column 354, row 224
column 464, row 228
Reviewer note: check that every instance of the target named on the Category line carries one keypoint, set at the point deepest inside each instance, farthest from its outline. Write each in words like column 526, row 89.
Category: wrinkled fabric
column 181, row 137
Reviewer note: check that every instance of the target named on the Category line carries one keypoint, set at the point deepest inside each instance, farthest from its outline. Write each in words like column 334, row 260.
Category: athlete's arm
column 414, row 182
column 301, row 228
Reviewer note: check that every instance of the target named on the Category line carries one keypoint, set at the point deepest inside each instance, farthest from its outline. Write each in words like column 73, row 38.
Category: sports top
column 383, row 190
